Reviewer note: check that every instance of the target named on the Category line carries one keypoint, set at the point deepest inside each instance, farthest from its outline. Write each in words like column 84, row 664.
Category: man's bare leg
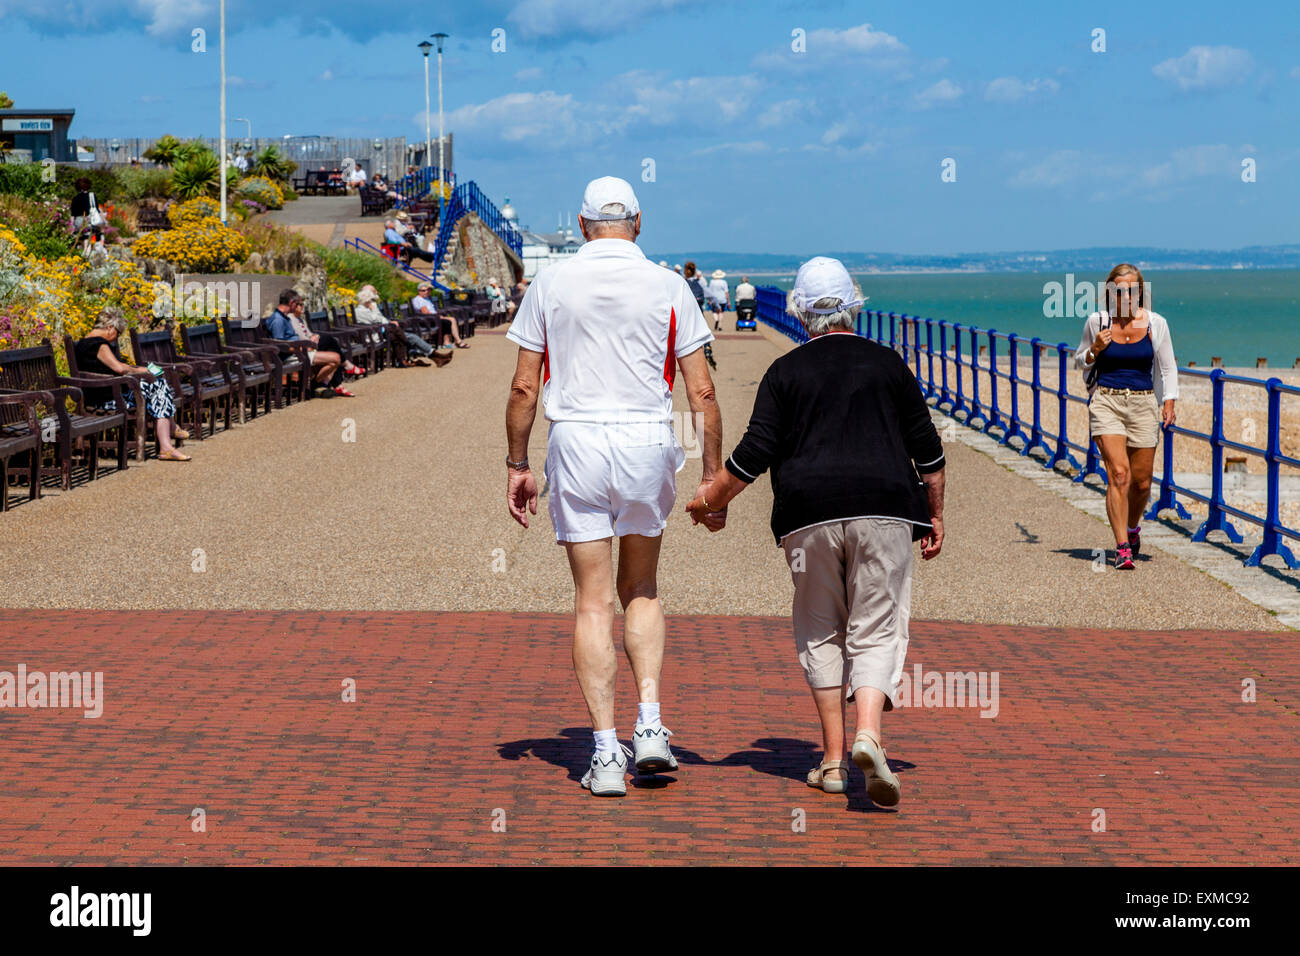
column 643, row 623
column 594, row 660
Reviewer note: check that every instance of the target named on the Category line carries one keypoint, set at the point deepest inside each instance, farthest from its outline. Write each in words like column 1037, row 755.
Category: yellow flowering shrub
column 340, row 297
column 263, row 190
column 204, row 245
column 193, row 211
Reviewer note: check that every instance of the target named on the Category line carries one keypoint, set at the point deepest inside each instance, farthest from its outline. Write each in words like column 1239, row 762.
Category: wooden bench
column 20, row 433
column 252, row 370
column 380, row 351
column 195, row 381
column 148, row 218
column 33, row 370
column 374, row 202
column 356, row 344
column 289, row 359
column 138, row 424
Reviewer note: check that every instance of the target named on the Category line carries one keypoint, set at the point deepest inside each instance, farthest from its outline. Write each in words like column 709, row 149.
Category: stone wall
column 479, row 255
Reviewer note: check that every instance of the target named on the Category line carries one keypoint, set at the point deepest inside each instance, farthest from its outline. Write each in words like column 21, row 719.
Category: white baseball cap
column 607, row 191
column 822, row 277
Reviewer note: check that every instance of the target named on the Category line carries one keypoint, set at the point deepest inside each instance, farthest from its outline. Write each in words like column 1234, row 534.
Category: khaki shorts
column 852, row 602
column 1134, row 415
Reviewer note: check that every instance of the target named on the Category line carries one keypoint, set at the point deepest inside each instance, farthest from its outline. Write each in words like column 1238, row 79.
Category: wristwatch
column 521, row 465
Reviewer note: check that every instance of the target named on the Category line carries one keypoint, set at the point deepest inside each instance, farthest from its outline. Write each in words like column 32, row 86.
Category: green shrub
column 46, row 239
column 24, row 179
column 352, row 269
column 139, row 182
column 103, row 182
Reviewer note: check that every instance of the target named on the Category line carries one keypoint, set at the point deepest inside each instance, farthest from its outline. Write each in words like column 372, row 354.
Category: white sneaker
column 652, row 753
column 605, row 776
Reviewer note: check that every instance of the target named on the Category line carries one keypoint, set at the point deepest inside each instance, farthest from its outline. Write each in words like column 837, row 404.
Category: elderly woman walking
column 857, row 477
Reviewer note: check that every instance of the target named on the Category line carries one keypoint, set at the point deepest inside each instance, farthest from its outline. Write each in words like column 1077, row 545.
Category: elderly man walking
column 605, row 333
column 857, row 477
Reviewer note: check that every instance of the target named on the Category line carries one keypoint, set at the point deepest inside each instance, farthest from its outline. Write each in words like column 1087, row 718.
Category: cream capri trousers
column 852, row 602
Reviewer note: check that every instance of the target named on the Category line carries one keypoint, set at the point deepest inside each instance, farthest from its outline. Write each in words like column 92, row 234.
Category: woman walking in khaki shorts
column 841, row 424
column 1127, row 358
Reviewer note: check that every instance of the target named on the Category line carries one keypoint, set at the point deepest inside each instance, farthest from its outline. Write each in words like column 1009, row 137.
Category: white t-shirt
column 745, row 291
column 604, row 321
column 718, row 291
column 420, row 303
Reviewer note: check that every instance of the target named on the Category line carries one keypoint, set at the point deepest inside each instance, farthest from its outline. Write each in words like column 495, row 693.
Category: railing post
column 995, row 414
column 1062, row 452
column 1035, row 439
column 893, row 339
column 1013, row 378
column 929, row 353
column 960, row 404
column 944, row 395
column 1272, row 542
column 976, row 410
column 1217, row 519
column 1167, row 498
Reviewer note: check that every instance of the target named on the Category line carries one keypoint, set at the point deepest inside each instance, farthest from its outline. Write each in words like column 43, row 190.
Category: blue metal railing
column 360, row 245
column 924, row 342
column 419, row 184
column 468, row 198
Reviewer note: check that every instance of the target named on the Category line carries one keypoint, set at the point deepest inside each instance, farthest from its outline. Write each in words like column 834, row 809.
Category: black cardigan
column 842, row 423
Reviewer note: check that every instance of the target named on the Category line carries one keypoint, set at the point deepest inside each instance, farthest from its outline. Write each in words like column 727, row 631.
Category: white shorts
column 607, row 480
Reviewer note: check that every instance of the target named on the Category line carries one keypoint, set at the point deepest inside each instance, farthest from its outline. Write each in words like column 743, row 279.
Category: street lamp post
column 222, row 165
column 442, row 176
column 425, row 47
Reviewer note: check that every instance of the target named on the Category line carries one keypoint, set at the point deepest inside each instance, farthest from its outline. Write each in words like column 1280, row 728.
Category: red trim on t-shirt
column 546, row 363
column 670, row 363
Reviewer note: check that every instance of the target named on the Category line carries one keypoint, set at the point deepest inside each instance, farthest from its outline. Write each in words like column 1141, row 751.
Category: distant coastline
column 1062, row 260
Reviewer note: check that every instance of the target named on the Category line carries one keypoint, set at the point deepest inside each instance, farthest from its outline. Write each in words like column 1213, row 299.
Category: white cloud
column 1206, row 68
column 1011, row 89
column 943, row 93
column 326, row 76
column 546, row 116
column 786, row 111
column 862, row 45
column 549, row 18
column 1059, row 168
column 1195, row 162
column 529, row 75
column 748, row 147
column 698, row 98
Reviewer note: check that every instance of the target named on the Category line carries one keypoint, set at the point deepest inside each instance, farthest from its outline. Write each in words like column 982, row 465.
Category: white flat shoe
column 652, row 752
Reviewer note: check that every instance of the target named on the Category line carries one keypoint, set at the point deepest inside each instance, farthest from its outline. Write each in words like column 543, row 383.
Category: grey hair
column 111, row 318
column 611, row 227
column 818, row 324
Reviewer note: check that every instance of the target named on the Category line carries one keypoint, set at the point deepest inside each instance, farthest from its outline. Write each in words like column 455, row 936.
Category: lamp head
column 425, row 47
column 440, row 37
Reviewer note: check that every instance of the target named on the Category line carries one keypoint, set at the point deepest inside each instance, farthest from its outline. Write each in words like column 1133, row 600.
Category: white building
column 541, row 249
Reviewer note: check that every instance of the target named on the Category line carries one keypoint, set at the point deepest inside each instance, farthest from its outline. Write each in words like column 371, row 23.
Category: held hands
column 701, row 512
column 521, row 491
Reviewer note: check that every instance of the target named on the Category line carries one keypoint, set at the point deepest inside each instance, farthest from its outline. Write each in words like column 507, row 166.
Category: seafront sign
column 40, row 125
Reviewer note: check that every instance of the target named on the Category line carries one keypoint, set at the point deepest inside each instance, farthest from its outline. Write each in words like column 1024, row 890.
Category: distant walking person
column 1127, row 358
column 842, row 425
column 695, row 282
column 605, row 332
column 719, row 296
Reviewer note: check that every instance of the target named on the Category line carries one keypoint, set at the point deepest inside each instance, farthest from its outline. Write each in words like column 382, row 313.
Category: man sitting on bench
column 394, row 235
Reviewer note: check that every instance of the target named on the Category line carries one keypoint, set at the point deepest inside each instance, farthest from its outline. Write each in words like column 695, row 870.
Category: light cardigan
column 1164, row 373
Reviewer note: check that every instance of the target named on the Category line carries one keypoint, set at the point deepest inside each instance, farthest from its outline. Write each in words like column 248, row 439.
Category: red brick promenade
column 466, row 719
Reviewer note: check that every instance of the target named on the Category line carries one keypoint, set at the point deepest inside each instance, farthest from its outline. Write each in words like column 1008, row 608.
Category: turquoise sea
column 1238, row 314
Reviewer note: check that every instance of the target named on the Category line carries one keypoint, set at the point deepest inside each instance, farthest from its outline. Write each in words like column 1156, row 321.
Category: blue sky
column 756, row 147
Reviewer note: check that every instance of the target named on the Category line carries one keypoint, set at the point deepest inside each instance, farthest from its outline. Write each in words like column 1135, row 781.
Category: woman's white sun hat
column 719, row 274
column 822, row 277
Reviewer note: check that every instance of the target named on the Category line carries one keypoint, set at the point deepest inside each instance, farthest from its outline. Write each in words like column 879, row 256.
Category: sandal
column 462, row 345
column 355, row 370
column 817, row 776
column 179, row 434
column 882, row 783
column 174, row 456
column 340, row 390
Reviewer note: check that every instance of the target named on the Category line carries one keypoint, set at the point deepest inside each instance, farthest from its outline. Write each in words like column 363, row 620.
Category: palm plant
column 271, row 163
column 196, row 176
column 164, row 152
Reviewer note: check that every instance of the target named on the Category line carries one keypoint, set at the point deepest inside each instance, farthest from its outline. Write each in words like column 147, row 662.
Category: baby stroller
column 746, row 309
